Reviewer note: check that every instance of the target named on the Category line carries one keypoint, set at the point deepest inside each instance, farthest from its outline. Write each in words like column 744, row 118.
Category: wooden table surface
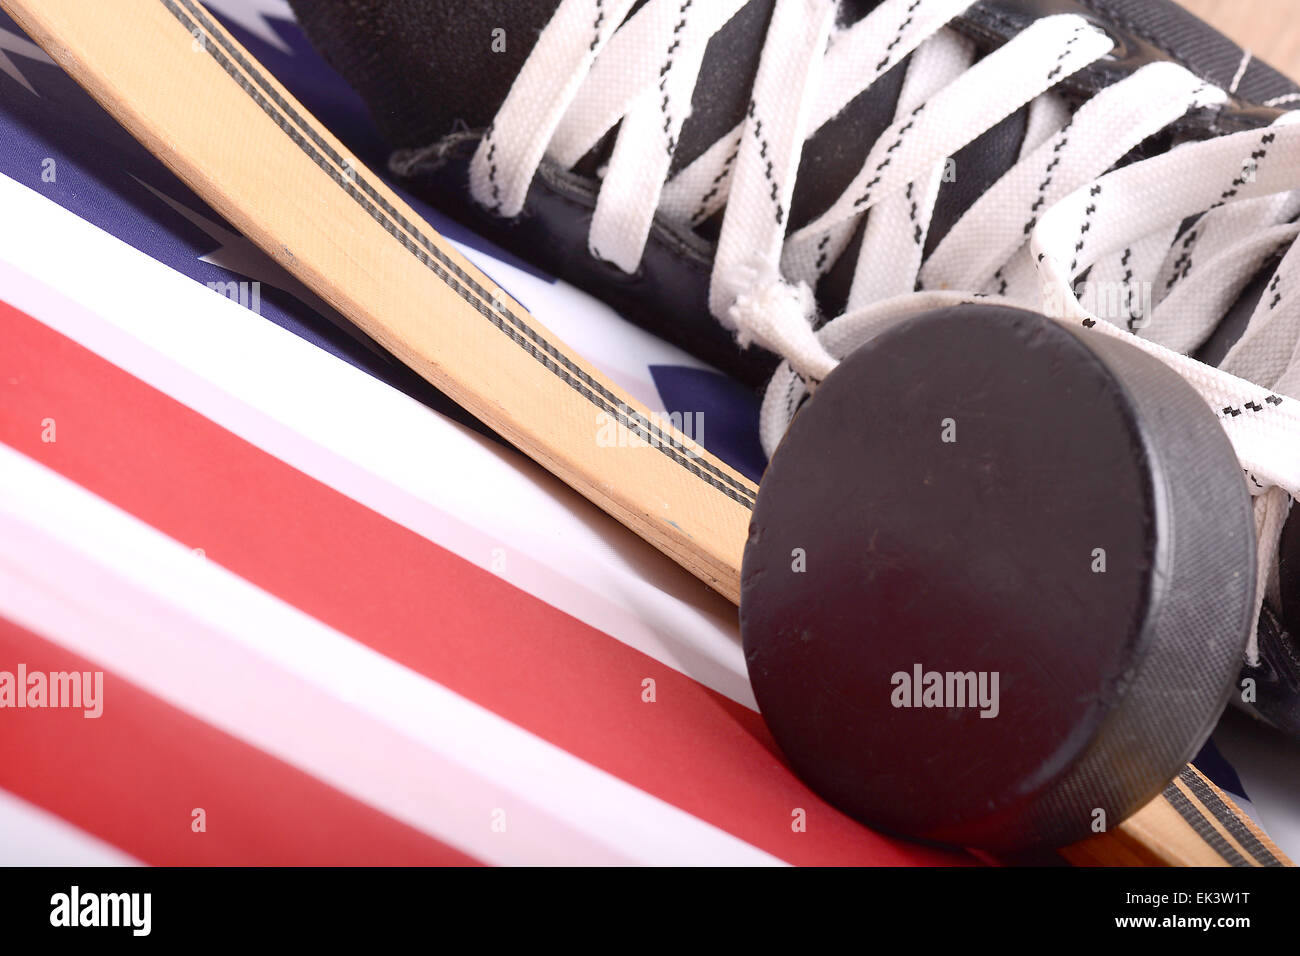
column 1268, row 28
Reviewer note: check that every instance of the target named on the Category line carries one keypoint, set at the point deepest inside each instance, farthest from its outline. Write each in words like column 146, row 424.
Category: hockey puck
column 998, row 581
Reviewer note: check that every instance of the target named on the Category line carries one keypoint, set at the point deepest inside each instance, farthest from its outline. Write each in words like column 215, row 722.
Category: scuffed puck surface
column 998, row 580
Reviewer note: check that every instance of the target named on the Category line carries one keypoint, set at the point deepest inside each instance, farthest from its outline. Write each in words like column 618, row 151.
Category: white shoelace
column 1056, row 214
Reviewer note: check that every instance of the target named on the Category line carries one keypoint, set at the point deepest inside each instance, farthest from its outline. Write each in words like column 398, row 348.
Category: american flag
column 337, row 622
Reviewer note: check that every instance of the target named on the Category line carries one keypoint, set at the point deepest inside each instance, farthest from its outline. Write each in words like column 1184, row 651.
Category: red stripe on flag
column 134, row 776
column 414, row 601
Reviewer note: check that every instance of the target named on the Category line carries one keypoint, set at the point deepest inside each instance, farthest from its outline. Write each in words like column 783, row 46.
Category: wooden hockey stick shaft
column 198, row 101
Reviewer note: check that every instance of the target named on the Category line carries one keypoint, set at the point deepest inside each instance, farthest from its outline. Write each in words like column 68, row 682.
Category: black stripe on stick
column 1203, row 827
column 1229, row 820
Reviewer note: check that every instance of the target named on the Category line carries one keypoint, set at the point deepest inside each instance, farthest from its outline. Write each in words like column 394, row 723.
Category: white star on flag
column 15, row 43
column 236, row 254
column 254, row 16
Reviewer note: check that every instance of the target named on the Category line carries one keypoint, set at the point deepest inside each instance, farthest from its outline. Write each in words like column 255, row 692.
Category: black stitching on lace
column 768, row 168
column 898, row 38
column 1084, row 229
column 1060, row 60
column 1230, row 411
column 1257, row 156
column 595, row 27
column 821, row 250
column 1047, row 182
column 1183, row 264
column 918, row 235
column 1133, row 314
column 492, row 170
column 717, row 184
column 663, row 77
column 902, row 134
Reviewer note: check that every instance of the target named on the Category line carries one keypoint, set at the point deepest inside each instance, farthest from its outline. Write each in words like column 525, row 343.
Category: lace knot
column 778, row 315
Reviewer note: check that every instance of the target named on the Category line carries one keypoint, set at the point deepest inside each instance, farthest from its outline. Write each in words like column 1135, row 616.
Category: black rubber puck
column 998, row 581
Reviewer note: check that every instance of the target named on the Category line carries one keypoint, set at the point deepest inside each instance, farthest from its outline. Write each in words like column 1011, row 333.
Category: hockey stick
column 197, row 100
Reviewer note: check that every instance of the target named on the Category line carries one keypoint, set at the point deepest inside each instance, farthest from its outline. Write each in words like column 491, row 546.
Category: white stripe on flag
column 31, row 836
column 362, row 438
column 105, row 585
